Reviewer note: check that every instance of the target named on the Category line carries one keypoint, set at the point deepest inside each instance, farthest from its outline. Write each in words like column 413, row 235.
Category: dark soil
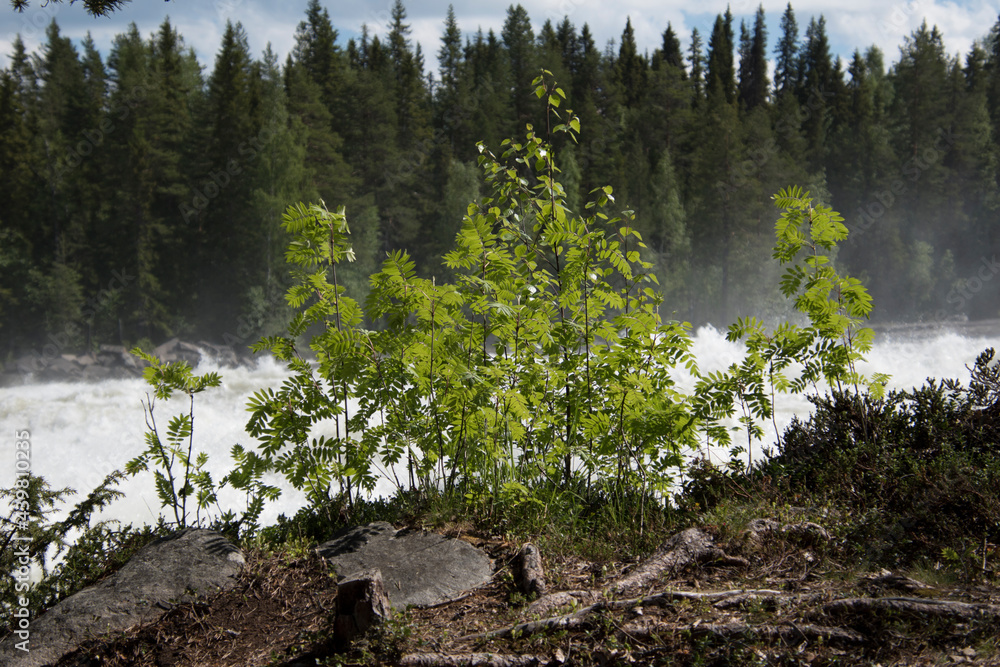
column 282, row 610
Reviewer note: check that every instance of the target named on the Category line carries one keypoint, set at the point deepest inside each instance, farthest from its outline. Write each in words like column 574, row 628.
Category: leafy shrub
column 911, row 473
column 544, row 372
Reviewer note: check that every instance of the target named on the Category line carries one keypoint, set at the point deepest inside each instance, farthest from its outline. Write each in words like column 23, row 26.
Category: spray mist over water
column 82, row 432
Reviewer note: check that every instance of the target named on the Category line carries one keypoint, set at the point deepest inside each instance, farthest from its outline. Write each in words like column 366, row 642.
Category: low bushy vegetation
column 909, row 480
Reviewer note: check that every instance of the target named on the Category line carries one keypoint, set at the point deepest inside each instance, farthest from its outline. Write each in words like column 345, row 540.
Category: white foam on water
column 82, row 432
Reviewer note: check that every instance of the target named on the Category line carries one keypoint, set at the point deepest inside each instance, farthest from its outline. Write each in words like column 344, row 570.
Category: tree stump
column 361, row 603
column 528, row 573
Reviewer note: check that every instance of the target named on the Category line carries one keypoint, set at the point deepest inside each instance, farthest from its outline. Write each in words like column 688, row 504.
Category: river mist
column 82, row 432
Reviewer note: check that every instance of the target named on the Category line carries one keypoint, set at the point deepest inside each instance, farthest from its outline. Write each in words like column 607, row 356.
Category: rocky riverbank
column 112, row 362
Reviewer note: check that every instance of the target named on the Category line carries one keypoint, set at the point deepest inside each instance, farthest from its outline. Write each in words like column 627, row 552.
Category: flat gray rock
column 418, row 568
column 187, row 565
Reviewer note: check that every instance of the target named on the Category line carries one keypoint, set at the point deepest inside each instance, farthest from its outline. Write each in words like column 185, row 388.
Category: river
column 81, row 432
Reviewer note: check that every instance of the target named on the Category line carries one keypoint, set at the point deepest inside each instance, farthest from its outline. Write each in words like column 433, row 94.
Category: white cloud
column 850, row 23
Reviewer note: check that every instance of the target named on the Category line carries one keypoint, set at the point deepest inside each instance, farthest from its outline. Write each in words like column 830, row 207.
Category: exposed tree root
column 564, row 622
column 578, row 618
column 917, row 607
column 788, row 633
column 797, row 623
column 685, row 548
column 470, row 660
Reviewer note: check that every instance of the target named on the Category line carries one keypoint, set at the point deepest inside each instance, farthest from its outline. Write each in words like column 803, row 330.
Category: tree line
column 142, row 198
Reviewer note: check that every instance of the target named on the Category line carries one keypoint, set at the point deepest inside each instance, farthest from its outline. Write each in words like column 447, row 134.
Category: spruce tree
column 407, row 203
column 518, row 40
column 992, row 75
column 720, row 73
column 20, row 161
column 819, row 85
column 971, row 195
column 786, row 64
column 630, row 69
column 696, row 58
column 278, row 175
column 135, row 233
column 316, row 50
column 665, row 228
column 491, row 117
column 754, row 83
column 671, row 50
column 922, row 112
column 448, row 96
column 223, row 189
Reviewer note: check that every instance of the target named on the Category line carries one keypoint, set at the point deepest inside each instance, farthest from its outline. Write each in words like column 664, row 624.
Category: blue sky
column 850, row 23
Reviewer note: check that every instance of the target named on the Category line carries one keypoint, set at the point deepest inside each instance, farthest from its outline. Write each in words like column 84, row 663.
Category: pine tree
column 992, row 75
column 630, row 69
column 819, row 85
column 697, row 67
column 518, row 40
column 448, row 96
column 670, row 53
column 134, row 233
column 316, row 50
column 224, row 218
column 786, row 65
column 20, row 161
column 406, row 205
column 922, row 110
column 720, row 74
column 754, row 84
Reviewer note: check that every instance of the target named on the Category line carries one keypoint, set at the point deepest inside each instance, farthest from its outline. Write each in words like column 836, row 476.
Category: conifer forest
column 142, row 193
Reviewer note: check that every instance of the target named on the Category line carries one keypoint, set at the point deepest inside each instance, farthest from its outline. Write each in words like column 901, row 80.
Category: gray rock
column 223, row 355
column 187, row 565
column 418, row 568
column 166, row 351
column 116, row 356
column 63, row 367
